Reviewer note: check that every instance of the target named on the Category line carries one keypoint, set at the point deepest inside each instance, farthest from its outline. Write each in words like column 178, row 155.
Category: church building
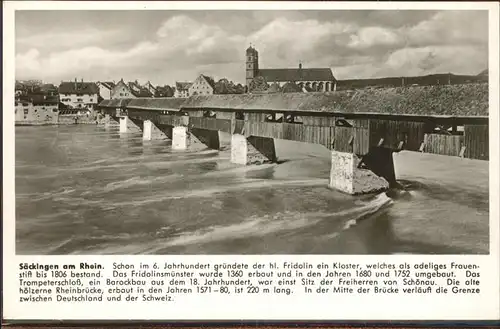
column 313, row 79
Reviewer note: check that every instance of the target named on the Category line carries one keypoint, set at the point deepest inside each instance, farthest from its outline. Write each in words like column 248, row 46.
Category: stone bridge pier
column 354, row 175
column 252, row 149
column 130, row 125
column 154, row 131
column 184, row 137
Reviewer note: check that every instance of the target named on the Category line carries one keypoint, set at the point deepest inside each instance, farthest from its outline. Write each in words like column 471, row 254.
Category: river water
column 86, row 190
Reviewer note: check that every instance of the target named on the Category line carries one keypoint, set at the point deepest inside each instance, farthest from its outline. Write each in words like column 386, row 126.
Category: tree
column 224, row 86
column 239, row 89
column 258, row 84
column 274, row 88
column 165, row 91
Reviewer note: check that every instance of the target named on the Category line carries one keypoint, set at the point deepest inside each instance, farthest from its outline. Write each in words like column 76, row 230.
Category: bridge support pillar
column 210, row 138
column 182, row 139
column 152, row 132
column 127, row 125
column 179, row 138
column 252, row 150
column 347, row 176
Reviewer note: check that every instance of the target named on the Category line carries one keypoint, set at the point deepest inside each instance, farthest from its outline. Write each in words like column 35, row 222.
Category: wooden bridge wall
column 309, row 134
column 318, row 121
column 289, row 131
column 393, row 132
column 476, row 142
column 322, row 130
column 360, row 140
column 173, row 120
column 211, row 124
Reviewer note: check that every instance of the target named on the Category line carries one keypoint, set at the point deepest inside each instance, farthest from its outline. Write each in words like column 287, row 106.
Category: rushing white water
column 84, row 190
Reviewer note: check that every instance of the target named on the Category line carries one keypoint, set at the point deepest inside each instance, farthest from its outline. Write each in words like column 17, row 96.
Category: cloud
column 374, row 36
column 66, row 39
column 355, row 44
column 432, row 59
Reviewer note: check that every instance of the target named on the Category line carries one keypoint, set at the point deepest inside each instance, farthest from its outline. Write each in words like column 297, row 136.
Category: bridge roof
column 160, row 104
column 467, row 100
column 114, row 102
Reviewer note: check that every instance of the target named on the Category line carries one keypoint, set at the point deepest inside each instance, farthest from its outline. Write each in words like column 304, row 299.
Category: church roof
column 299, row 74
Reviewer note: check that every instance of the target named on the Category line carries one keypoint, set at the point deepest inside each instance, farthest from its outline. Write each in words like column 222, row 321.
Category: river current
column 82, row 189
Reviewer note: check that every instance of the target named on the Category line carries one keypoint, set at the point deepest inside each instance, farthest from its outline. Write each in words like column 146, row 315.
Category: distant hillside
column 483, row 73
column 427, row 80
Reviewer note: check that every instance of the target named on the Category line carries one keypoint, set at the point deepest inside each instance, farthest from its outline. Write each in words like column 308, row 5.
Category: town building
column 48, row 89
column 39, row 108
column 164, row 91
column 82, row 96
column 203, row 85
column 308, row 79
column 105, row 88
column 152, row 89
column 130, row 90
column 182, row 89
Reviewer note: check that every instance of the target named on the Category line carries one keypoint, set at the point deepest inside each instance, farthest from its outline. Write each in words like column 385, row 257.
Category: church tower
column 252, row 64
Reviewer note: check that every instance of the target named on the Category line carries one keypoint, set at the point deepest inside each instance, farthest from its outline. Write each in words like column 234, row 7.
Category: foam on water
column 255, row 226
column 85, row 190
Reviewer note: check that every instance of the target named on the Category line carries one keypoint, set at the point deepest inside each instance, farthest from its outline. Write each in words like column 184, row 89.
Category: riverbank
column 60, row 121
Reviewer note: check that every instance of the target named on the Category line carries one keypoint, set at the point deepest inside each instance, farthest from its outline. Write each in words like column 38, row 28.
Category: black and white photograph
column 251, row 132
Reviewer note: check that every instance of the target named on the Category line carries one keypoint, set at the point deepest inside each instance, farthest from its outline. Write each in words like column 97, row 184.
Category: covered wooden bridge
column 358, row 125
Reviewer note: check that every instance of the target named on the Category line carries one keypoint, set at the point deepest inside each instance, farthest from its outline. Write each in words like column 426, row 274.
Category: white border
column 486, row 308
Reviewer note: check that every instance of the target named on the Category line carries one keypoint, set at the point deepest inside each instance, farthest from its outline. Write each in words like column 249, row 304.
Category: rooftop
column 78, row 87
column 467, row 100
column 167, row 103
column 298, row 74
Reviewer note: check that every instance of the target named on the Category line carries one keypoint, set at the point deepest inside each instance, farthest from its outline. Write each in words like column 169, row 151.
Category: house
column 37, row 108
column 130, row 90
column 314, row 79
column 48, row 89
column 203, row 85
column 164, row 91
column 182, row 89
column 79, row 95
column 105, row 88
column 139, row 91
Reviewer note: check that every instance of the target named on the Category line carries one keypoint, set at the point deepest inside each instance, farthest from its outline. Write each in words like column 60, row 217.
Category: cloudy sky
column 165, row 46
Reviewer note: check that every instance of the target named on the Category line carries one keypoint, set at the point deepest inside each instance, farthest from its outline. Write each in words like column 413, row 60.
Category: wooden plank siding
column 239, row 126
column 225, row 115
column 360, row 140
column 211, row 124
column 309, row 134
column 318, row 121
column 172, row 120
column 476, row 142
column 264, row 129
column 157, row 118
column 393, row 132
column 196, row 113
column 144, row 115
column 257, row 117
column 443, row 144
